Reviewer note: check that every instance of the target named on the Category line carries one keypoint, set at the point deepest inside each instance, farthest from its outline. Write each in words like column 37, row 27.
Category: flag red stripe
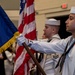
column 29, row 2
column 20, row 70
column 30, row 18
column 20, row 28
column 19, row 50
column 31, row 35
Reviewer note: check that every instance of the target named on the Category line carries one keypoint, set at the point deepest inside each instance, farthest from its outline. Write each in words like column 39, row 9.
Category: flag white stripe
column 21, row 18
column 19, row 60
column 30, row 9
column 29, row 28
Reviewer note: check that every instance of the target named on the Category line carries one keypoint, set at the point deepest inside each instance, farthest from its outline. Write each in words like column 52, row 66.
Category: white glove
column 21, row 39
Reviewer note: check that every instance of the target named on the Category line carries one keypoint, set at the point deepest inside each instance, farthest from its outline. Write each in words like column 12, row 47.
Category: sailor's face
column 70, row 23
column 48, row 30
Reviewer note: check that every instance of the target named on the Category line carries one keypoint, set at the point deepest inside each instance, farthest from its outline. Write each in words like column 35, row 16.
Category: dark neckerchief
column 49, row 40
column 63, row 56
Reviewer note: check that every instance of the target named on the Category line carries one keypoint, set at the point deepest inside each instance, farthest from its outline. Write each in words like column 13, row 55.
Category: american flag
column 27, row 27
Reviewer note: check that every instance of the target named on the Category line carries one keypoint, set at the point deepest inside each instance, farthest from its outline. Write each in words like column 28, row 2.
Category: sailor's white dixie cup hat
column 72, row 10
column 52, row 22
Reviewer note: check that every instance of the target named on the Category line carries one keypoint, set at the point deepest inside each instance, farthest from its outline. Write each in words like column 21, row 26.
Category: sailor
column 51, row 33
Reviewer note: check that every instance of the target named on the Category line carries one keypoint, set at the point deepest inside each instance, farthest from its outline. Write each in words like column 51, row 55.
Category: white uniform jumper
column 50, row 60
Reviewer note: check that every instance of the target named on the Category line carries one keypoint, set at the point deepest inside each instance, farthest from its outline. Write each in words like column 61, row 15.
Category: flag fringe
column 11, row 41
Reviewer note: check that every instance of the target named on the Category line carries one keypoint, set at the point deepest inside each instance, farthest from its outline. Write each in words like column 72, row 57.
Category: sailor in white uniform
column 51, row 33
column 66, row 46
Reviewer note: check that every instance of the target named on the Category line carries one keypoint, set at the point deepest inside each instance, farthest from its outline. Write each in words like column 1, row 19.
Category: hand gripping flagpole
column 32, row 56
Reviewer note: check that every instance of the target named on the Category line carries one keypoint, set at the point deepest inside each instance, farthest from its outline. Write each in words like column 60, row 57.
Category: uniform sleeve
column 45, row 47
column 9, row 55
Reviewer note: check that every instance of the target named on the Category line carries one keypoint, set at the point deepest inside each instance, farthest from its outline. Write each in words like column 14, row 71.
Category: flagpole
column 32, row 56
